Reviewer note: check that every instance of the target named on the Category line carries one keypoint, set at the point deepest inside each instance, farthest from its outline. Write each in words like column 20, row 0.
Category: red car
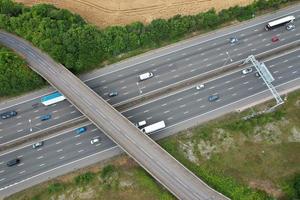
column 275, row 39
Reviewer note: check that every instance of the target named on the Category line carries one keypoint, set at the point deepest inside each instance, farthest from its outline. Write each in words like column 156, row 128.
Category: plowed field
column 115, row 12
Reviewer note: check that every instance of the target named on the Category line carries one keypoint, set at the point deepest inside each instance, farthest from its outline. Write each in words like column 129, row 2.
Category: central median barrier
column 150, row 96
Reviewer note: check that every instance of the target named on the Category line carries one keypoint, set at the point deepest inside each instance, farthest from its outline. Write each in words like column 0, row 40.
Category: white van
column 146, row 76
column 141, row 123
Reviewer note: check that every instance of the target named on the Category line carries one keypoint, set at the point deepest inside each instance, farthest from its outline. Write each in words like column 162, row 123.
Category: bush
column 85, row 178
column 107, row 171
column 55, row 187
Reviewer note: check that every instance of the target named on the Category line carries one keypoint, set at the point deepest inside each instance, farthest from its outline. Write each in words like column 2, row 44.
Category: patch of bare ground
column 267, row 186
column 115, row 12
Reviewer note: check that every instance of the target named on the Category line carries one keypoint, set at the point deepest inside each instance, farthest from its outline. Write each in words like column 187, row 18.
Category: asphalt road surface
column 179, row 65
column 154, row 159
column 176, row 108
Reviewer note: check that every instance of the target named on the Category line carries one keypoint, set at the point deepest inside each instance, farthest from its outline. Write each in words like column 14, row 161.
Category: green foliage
column 107, row 171
column 15, row 76
column 55, row 188
column 80, row 47
column 84, row 179
column 297, row 186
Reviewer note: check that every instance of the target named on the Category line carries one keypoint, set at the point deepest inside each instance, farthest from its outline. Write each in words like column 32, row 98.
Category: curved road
column 169, row 172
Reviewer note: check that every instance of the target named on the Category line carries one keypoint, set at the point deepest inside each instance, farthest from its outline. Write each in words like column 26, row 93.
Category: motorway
column 173, row 109
column 179, row 65
column 181, row 182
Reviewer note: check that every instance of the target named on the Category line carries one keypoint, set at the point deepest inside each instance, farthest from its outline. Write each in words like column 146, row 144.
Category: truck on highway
column 279, row 22
column 52, row 99
column 154, row 127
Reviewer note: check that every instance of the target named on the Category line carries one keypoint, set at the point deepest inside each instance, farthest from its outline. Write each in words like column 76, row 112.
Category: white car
column 141, row 123
column 247, row 70
column 290, row 27
column 95, row 140
column 199, row 87
column 145, row 76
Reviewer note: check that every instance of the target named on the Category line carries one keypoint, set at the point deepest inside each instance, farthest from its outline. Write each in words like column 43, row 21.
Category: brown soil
column 266, row 186
column 116, row 12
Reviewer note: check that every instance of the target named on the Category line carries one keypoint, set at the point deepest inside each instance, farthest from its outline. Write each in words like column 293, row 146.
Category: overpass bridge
column 181, row 182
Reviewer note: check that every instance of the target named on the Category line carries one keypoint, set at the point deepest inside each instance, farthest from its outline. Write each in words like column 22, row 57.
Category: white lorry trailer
column 154, row 127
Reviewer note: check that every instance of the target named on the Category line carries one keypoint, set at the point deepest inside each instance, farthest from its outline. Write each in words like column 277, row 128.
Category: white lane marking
column 234, row 94
column 193, row 70
column 61, row 157
column 20, row 123
column 39, row 149
column 275, row 72
column 20, row 116
column 160, row 81
column 227, row 82
column 246, row 82
column 105, row 87
column 190, row 64
column 167, row 111
column 98, row 144
column 173, row 70
column 176, row 76
column 183, row 54
column 199, row 99
column 124, row 87
column 271, row 66
column 212, row 87
column 187, row 59
column 170, row 118
column 253, row 49
column 250, row 88
column 259, row 35
column 202, row 54
column 146, row 111
column 282, row 39
column 122, row 81
column 246, row 39
column 79, row 143
column 125, row 93
column 73, row 111
column 268, row 44
column 59, row 150
column 18, row 131
column 81, row 150
column 103, row 81
column 57, row 117
column 221, row 54
column 36, row 117
column 42, row 164
column 22, row 172
column 36, row 111
column 206, row 59
column 40, row 157
column 179, row 99
column 54, row 111
column 240, row 54
column 58, row 142
column 235, row 49
column 294, row 72
column 285, row 61
column 38, row 124
column 202, row 106
column 250, row 44
column 230, row 88
column 199, row 48
column 2, row 171
column 279, row 77
column 20, row 164
column 255, row 30
column 208, row 65
column 186, row 112
column 164, row 104
column 148, row 118
column 182, row 106
column 264, row 39
column 2, row 179
column 289, row 67
column 129, row 117
column 170, row 65
column 20, row 156
column 120, row 75
column 95, row 129
column 196, row 93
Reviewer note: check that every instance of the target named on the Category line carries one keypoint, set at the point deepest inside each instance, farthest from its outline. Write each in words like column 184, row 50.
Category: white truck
column 154, row 127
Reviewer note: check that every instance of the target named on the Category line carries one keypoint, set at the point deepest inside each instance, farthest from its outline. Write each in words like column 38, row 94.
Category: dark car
column 45, row 117
column 8, row 114
column 275, row 39
column 35, row 105
column 213, row 98
column 13, row 162
column 113, row 94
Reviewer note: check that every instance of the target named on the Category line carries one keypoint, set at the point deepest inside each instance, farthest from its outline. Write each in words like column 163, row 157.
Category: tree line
column 79, row 46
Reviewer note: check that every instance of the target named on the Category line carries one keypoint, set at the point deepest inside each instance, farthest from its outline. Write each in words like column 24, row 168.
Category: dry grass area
column 116, row 12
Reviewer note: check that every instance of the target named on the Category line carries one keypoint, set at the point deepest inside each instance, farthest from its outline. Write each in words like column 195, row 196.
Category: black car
column 113, row 94
column 213, row 98
column 13, row 162
column 8, row 114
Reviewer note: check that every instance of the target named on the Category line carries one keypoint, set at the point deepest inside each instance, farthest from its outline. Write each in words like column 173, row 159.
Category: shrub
column 85, row 178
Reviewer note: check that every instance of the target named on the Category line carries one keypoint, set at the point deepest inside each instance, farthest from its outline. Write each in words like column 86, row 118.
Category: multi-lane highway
column 181, row 182
column 179, row 65
column 173, row 109
column 176, row 108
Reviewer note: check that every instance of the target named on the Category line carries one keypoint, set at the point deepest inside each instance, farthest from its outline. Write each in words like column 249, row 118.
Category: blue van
column 45, row 117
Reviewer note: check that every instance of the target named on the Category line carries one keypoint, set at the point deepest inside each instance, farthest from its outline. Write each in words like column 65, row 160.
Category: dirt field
column 114, row 12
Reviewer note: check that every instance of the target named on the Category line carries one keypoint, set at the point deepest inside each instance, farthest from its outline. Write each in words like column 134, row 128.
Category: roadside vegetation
column 255, row 159
column 15, row 76
column 79, row 46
